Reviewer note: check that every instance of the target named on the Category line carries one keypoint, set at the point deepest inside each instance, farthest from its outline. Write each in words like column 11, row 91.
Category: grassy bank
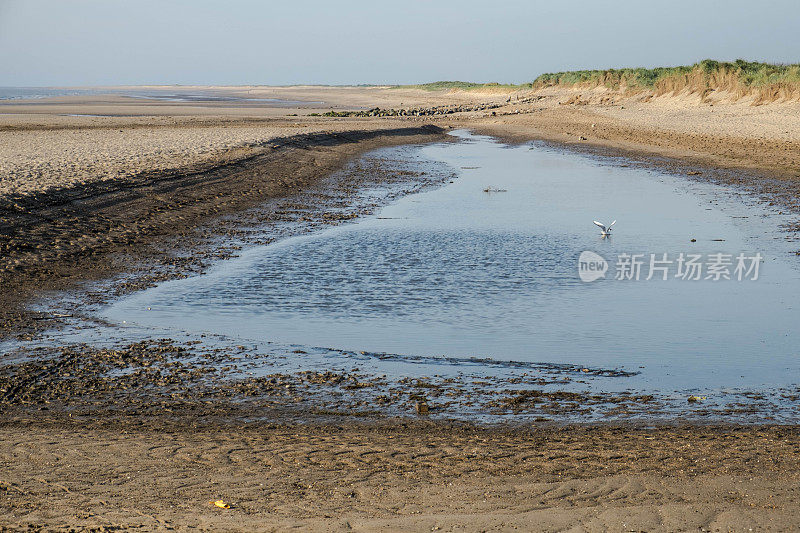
column 767, row 82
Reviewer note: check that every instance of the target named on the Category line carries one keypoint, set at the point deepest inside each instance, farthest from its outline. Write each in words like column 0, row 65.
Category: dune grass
column 765, row 81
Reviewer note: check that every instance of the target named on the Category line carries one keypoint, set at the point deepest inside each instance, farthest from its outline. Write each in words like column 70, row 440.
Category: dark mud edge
column 192, row 381
column 55, row 240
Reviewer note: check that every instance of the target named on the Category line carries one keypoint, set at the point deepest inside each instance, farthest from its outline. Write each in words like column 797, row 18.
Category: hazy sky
column 94, row 42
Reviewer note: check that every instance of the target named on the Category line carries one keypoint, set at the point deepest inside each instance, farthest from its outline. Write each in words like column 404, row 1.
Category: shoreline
column 97, row 230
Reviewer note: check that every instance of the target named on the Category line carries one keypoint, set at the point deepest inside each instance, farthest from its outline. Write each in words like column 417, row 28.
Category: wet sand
column 83, row 200
column 398, row 475
column 148, row 435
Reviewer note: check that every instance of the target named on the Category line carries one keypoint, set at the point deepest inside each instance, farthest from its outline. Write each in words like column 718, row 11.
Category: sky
column 337, row 42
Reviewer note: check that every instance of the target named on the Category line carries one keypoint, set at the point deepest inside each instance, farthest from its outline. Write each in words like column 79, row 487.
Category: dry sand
column 42, row 146
column 191, row 162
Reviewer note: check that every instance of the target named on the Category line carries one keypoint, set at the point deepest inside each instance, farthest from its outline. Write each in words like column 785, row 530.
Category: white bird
column 605, row 230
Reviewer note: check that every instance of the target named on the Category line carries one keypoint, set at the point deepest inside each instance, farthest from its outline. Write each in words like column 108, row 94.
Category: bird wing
column 612, row 223
column 602, row 226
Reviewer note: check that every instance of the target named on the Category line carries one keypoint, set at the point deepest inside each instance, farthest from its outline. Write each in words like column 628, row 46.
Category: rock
column 422, row 407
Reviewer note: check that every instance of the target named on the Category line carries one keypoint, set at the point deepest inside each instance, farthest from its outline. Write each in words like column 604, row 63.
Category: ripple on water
column 460, row 272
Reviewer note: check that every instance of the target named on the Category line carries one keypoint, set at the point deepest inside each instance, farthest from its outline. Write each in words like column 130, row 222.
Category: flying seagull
column 605, row 231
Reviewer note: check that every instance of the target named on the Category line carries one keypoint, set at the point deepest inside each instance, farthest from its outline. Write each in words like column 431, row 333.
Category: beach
column 139, row 190
column 394, row 475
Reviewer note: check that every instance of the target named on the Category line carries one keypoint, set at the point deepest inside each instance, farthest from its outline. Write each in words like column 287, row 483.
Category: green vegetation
column 612, row 78
column 739, row 76
column 765, row 81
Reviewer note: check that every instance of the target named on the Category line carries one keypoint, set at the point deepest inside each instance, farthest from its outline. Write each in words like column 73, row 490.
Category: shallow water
column 211, row 96
column 168, row 95
column 29, row 93
column 460, row 272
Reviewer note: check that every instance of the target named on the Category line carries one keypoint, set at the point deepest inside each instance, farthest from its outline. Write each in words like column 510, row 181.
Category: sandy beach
column 55, row 142
column 403, row 475
column 93, row 187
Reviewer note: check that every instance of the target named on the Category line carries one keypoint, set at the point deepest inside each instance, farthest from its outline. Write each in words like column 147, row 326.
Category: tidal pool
column 459, row 272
